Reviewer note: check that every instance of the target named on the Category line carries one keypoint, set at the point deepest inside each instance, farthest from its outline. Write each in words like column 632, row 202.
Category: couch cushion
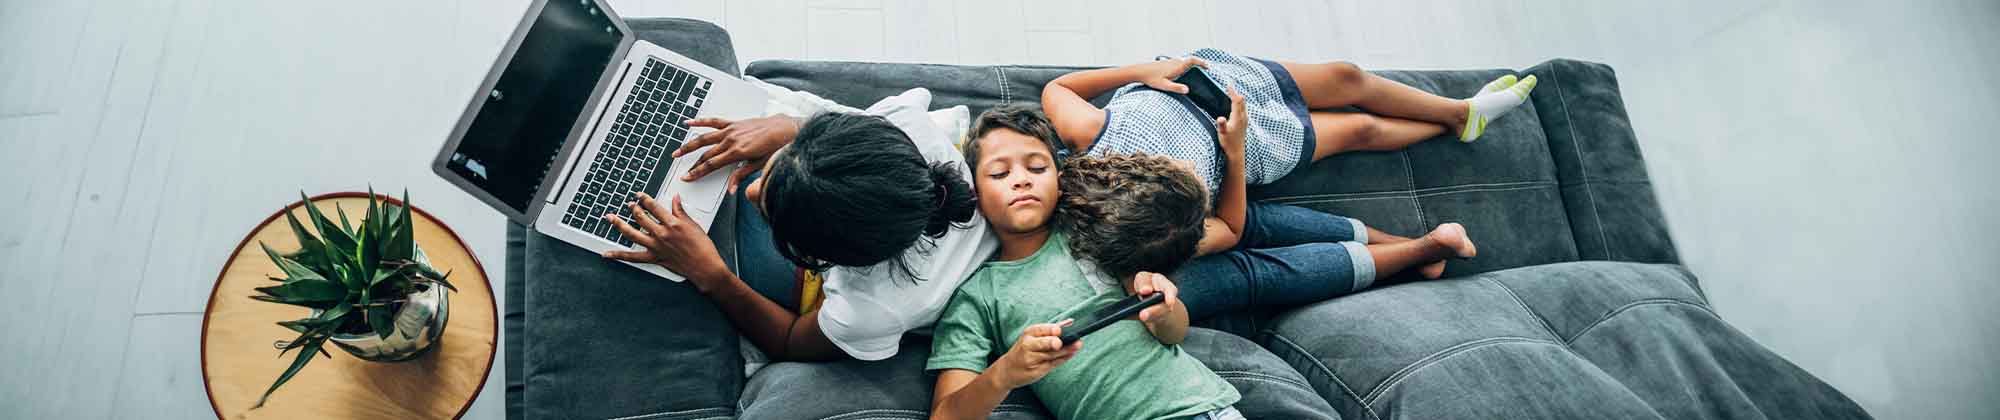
column 1649, row 327
column 1503, row 188
column 893, row 388
column 1612, row 211
column 1570, row 340
column 898, row 387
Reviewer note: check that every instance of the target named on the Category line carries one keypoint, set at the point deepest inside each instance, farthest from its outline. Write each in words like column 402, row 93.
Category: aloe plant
column 354, row 277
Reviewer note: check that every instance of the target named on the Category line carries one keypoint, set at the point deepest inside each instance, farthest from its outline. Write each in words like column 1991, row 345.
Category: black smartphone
column 1109, row 314
column 1205, row 94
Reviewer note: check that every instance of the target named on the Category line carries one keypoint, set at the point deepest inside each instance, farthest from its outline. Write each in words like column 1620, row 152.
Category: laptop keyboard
column 648, row 129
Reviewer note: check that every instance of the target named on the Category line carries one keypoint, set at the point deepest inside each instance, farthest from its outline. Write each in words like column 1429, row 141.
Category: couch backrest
column 1559, row 180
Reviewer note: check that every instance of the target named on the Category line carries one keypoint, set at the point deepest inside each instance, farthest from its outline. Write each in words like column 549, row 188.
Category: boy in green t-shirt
column 1001, row 330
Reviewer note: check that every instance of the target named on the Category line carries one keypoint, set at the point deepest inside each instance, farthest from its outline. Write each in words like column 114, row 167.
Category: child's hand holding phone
column 1230, row 131
column 1161, row 74
column 1039, row 351
column 1167, row 320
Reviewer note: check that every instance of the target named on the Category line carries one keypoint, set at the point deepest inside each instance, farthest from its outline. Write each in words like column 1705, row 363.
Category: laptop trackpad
column 702, row 197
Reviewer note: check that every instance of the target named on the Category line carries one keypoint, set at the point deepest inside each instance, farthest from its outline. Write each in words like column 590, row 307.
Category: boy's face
column 1016, row 179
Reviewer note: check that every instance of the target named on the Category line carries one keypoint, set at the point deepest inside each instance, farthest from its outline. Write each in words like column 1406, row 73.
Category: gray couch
column 1575, row 308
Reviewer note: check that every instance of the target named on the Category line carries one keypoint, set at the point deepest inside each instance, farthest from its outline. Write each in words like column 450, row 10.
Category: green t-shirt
column 1123, row 372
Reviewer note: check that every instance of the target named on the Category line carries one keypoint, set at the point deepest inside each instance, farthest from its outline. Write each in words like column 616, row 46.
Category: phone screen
column 1109, row 314
column 1205, row 94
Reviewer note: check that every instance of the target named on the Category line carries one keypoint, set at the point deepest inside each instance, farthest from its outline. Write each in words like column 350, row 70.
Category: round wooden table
column 238, row 362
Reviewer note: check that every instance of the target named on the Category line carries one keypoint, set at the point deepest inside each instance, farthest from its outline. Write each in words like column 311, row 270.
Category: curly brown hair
column 1131, row 213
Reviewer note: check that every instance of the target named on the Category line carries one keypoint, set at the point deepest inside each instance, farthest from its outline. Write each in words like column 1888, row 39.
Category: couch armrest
column 586, row 337
column 1606, row 192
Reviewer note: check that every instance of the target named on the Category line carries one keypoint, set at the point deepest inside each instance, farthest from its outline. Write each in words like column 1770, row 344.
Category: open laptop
column 577, row 114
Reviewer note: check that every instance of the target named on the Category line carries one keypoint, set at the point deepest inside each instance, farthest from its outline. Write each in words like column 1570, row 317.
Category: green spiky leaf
column 307, row 350
column 312, row 251
column 401, row 239
column 371, row 234
column 384, row 275
column 335, row 238
column 440, row 280
column 332, row 316
column 380, row 319
column 293, row 270
column 337, row 211
column 319, row 294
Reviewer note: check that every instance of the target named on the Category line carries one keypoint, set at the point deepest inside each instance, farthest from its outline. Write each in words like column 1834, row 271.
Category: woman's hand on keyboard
column 670, row 238
column 746, row 140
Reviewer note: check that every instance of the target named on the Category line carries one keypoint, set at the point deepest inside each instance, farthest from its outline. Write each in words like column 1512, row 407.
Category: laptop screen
column 509, row 147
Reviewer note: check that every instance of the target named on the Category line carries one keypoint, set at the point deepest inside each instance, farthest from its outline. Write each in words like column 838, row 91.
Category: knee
column 1346, row 74
column 1365, row 128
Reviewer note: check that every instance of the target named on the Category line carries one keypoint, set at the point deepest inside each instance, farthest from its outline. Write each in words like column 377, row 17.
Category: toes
column 1433, row 271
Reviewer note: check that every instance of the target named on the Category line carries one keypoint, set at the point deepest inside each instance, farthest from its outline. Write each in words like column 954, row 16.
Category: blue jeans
column 1286, row 256
column 757, row 260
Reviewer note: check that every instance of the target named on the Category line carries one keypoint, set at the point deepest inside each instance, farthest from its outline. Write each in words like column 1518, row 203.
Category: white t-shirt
column 867, row 309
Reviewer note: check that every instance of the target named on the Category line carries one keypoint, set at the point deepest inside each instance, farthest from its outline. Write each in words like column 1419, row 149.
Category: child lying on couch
column 1074, row 237
column 1274, row 255
column 1001, row 331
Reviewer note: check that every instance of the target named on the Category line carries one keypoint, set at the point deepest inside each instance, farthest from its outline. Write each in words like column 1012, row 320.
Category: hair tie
column 946, row 192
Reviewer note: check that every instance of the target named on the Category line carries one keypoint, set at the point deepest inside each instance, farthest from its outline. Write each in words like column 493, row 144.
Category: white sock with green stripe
column 1495, row 99
column 1497, row 84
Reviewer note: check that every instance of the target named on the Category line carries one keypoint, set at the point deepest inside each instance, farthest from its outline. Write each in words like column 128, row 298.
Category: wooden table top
column 238, row 362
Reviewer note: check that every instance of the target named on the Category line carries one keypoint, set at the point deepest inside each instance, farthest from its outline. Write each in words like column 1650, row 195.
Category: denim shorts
column 1286, row 256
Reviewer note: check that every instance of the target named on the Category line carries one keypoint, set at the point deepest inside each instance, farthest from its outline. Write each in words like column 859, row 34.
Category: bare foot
column 1432, row 271
column 1452, row 236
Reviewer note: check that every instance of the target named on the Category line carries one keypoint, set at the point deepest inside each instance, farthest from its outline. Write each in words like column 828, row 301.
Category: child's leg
column 1430, row 251
column 1337, row 84
column 1276, row 277
column 1337, row 132
column 1285, row 276
column 1271, row 225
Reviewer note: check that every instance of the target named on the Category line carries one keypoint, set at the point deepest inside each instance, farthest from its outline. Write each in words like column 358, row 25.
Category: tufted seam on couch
column 1614, row 313
column 1543, row 321
column 879, row 413
column 1006, row 94
column 1260, row 376
column 1335, row 198
column 1328, row 371
column 1410, row 174
column 1446, row 354
column 695, row 414
column 1582, row 166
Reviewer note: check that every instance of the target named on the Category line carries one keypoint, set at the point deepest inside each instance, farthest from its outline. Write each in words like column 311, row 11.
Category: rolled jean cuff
column 1360, row 230
column 1364, row 265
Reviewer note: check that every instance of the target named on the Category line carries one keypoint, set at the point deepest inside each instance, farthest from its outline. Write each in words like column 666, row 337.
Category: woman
column 876, row 205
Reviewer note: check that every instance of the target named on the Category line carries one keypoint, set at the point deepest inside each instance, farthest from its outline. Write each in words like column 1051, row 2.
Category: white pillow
column 953, row 123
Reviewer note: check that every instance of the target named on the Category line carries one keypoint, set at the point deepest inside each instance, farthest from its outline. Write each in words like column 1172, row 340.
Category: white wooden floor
column 1826, row 168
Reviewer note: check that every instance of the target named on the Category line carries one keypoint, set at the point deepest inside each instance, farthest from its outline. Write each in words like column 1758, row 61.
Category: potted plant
column 371, row 290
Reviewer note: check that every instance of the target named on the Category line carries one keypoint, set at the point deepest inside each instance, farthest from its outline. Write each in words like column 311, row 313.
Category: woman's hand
column 749, row 140
column 1039, row 351
column 674, row 241
column 1230, row 131
column 1161, row 74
